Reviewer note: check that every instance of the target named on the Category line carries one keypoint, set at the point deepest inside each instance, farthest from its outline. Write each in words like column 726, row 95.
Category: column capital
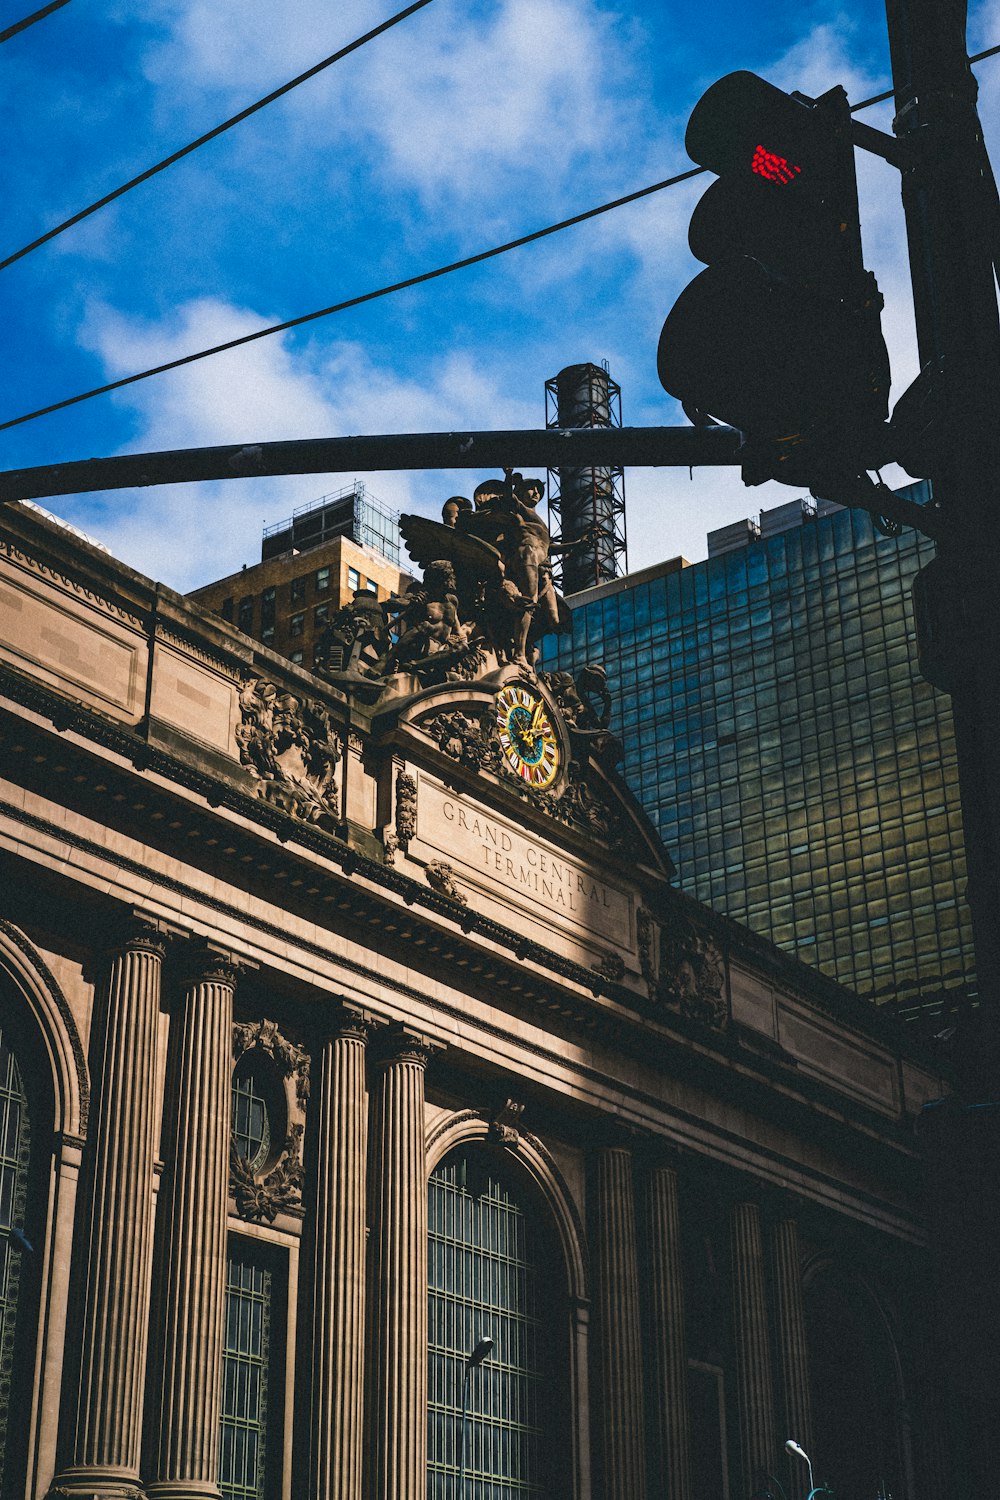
column 205, row 963
column 350, row 1021
column 617, row 1135
column 137, row 932
column 397, row 1042
column 781, row 1203
column 655, row 1154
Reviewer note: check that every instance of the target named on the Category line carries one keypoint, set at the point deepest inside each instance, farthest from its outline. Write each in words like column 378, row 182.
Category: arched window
column 493, row 1272
column 14, row 1244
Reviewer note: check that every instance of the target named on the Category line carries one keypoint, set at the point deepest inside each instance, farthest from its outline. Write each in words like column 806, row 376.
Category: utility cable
column 396, row 286
column 210, row 135
column 889, row 93
column 26, row 21
column 325, row 312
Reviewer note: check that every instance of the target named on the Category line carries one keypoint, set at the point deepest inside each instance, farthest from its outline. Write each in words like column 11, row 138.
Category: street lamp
column 476, row 1357
column 792, row 1447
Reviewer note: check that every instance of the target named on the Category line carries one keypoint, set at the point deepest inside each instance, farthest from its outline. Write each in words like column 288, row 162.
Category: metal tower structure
column 586, row 503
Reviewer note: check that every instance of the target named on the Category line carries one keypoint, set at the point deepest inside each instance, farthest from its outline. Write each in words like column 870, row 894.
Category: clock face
column 527, row 739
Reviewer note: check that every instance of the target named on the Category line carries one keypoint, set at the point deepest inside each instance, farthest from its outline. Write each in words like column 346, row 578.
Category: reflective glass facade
column 778, row 733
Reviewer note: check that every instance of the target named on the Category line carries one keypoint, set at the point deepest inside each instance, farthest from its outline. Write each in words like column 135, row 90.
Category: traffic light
column 781, row 335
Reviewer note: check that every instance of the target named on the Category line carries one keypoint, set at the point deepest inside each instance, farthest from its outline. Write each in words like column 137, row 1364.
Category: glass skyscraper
column 776, row 729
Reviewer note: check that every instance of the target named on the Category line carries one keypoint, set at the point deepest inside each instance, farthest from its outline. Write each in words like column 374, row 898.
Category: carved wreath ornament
column 290, row 747
column 273, row 1184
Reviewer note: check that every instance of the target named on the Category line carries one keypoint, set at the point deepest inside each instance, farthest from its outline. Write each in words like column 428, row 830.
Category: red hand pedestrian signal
column 775, row 168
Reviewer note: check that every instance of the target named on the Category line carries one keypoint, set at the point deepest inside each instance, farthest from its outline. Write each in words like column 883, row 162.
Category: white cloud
column 453, row 104
column 265, row 391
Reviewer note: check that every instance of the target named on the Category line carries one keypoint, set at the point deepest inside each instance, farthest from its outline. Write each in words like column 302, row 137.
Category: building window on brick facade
column 322, row 580
column 353, row 578
column 296, row 658
column 298, row 589
column 227, row 610
column 296, row 623
column 245, row 621
column 321, row 615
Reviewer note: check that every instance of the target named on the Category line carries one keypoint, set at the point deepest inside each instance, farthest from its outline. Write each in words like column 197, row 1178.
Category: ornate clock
column 528, row 742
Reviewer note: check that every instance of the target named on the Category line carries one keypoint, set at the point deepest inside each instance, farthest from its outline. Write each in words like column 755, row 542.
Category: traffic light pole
column 953, row 232
column 551, row 447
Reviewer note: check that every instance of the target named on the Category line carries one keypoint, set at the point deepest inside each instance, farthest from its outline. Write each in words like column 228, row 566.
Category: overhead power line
column 209, row 135
column 26, row 21
column 888, row 94
column 384, row 291
column 396, row 286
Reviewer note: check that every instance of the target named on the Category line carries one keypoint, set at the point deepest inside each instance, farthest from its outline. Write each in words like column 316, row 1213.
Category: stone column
column 397, row 1403
column 623, row 1446
column 793, row 1351
column 753, row 1351
column 114, row 1328
column 187, row 1465
column 337, row 1415
column 666, row 1305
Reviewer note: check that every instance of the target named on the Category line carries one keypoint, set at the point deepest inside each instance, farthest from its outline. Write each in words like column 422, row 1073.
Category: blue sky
column 468, row 124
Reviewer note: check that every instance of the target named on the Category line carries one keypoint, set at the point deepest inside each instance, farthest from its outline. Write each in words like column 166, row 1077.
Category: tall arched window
column 494, row 1272
column 14, row 1244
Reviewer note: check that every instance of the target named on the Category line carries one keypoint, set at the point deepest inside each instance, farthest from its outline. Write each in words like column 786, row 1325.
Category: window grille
column 14, row 1142
column 246, row 1352
column 487, row 1278
column 251, row 1125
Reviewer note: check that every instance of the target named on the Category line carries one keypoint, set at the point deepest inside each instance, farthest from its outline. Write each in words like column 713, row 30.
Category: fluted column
column 190, row 1403
column 793, row 1350
column 107, row 1439
column 397, row 1402
column 623, row 1445
column 337, row 1416
column 666, row 1305
column 753, row 1352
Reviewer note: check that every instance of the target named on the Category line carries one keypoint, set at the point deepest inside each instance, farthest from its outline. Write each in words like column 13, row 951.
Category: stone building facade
column 346, row 1023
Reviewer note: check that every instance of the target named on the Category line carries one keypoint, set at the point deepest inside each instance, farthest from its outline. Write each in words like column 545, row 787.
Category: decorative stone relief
column 505, row 1126
column 290, row 747
column 611, row 966
column 585, row 702
column 275, row 1185
column 406, row 808
column 644, row 938
column 441, row 876
column 692, row 973
column 390, row 846
column 291, row 1061
column 261, row 1198
column 467, row 738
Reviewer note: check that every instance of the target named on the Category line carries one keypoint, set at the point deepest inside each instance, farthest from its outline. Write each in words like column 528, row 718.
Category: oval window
column 258, row 1109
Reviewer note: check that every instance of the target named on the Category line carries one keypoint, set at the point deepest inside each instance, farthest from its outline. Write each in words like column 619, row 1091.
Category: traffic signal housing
column 781, row 335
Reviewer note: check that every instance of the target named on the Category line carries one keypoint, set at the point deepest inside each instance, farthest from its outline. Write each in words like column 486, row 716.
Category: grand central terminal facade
column 351, row 1019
